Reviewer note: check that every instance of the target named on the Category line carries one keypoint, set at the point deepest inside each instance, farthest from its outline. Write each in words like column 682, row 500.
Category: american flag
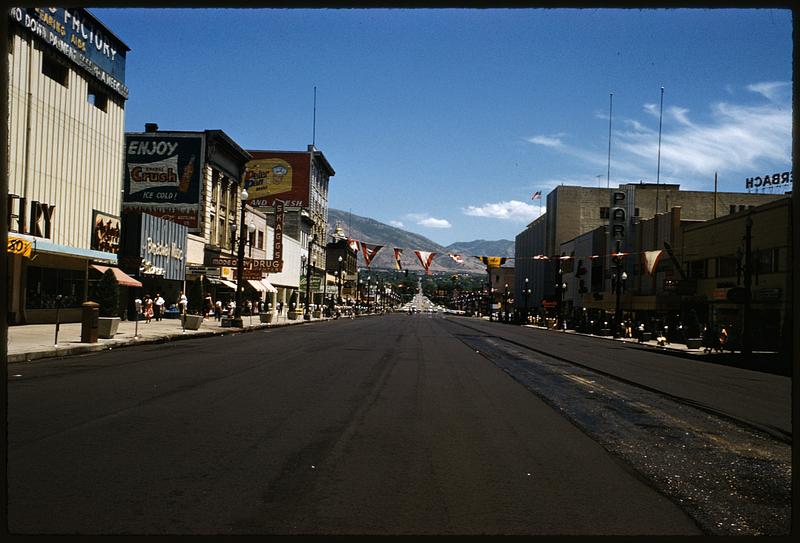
column 537, row 195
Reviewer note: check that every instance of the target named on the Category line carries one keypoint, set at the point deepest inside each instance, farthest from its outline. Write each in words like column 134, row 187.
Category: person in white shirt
column 183, row 302
column 159, row 307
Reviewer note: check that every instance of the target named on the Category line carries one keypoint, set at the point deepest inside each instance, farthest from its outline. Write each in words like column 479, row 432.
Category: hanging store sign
column 275, row 265
column 163, row 174
column 19, row 246
column 78, row 36
column 105, row 232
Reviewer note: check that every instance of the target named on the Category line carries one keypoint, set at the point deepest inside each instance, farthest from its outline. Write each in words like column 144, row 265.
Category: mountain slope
column 373, row 232
column 501, row 247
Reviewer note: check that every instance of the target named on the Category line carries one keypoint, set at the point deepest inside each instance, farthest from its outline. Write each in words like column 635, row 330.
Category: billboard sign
column 282, row 175
column 74, row 33
column 163, row 176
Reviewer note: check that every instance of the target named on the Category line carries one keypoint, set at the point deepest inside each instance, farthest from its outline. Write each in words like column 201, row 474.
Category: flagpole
column 658, row 169
column 610, row 110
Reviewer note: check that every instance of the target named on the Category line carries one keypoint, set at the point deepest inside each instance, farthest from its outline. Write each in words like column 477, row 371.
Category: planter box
column 107, row 327
column 266, row 317
column 647, row 336
column 694, row 343
column 292, row 315
column 193, row 322
column 317, row 314
column 605, row 332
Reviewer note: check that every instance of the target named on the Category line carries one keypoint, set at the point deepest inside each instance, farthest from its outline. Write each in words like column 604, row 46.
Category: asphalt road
column 380, row 425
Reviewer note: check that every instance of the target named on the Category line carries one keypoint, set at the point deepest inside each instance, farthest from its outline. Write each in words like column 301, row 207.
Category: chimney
column 150, row 127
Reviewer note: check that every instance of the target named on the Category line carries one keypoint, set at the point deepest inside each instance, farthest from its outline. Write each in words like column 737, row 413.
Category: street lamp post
column 341, row 271
column 307, row 314
column 505, row 304
column 526, row 292
column 237, row 319
column 620, row 277
column 369, row 291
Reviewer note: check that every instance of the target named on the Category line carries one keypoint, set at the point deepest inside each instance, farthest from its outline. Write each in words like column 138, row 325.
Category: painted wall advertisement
column 163, row 176
column 76, row 35
column 275, row 175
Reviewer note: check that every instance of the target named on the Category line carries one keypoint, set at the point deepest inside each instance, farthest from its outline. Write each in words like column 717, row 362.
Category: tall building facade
column 301, row 180
column 67, row 94
column 575, row 211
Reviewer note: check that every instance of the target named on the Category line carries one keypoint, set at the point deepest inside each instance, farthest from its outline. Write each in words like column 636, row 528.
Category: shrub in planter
column 195, row 295
column 106, row 292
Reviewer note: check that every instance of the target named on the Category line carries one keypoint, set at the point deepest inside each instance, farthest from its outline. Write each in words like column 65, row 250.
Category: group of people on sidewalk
column 155, row 307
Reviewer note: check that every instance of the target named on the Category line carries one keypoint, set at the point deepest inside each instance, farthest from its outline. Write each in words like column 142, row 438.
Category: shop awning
column 257, row 285
column 224, row 282
column 122, row 278
column 270, row 286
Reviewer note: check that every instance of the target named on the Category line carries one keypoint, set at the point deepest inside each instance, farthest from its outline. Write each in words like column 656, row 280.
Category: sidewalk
column 768, row 361
column 34, row 341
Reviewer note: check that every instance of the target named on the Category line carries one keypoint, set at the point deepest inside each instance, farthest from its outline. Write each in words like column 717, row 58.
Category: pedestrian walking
column 148, row 308
column 208, row 306
column 183, row 303
column 218, row 310
column 159, row 306
column 708, row 338
column 723, row 339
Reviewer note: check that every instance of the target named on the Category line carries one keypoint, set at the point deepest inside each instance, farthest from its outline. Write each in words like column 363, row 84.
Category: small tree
column 195, row 295
column 106, row 292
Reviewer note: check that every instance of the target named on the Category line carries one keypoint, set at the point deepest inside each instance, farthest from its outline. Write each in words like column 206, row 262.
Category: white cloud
column 679, row 114
column 398, row 224
column 547, row 141
column 773, row 91
column 511, row 210
column 423, row 219
column 735, row 138
column 431, row 222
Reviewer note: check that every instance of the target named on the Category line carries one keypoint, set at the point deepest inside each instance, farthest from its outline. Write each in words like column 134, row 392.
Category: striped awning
column 224, row 282
column 258, row 285
column 122, row 278
column 270, row 286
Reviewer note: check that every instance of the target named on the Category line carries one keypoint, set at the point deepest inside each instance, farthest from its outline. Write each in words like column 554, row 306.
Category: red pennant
column 369, row 254
column 425, row 258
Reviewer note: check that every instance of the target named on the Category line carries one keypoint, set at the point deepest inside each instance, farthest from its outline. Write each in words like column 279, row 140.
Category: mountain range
column 374, row 232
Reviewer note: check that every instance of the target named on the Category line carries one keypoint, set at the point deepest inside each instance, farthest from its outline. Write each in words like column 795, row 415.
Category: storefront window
column 43, row 284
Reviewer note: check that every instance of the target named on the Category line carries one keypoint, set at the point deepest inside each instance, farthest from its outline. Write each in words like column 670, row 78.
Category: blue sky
column 446, row 121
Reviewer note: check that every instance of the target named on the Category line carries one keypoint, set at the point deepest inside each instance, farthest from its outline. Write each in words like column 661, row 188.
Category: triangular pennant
column 369, row 254
column 457, row 258
column 651, row 259
column 397, row 253
column 425, row 258
column 353, row 244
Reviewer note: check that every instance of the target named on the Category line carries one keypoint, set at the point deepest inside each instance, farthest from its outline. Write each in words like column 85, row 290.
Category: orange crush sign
column 18, row 246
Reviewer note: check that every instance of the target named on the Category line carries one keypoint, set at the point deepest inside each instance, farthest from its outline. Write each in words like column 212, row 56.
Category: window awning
column 258, row 285
column 224, row 282
column 122, row 278
column 270, row 286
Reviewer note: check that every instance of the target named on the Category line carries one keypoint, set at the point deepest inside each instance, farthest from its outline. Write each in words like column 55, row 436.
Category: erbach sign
column 775, row 179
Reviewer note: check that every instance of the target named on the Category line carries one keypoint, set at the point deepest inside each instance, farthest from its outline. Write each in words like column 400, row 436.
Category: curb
column 84, row 348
